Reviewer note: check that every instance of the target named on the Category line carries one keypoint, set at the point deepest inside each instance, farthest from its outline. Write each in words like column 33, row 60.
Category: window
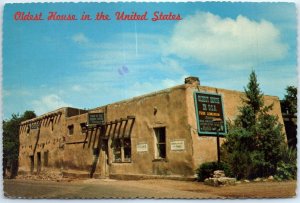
column 39, row 162
column 71, row 129
column 31, row 163
column 117, row 150
column 122, row 150
column 83, row 127
column 160, row 141
column 127, row 149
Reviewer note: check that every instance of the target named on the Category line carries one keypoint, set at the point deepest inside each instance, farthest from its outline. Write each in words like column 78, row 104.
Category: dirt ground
column 158, row 188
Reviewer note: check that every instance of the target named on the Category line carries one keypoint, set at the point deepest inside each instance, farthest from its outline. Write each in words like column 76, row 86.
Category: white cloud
column 141, row 88
column 80, row 38
column 167, row 83
column 225, row 42
column 48, row 103
column 76, row 88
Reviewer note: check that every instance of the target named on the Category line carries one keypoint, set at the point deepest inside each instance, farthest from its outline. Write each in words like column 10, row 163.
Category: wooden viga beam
column 110, row 130
column 120, row 127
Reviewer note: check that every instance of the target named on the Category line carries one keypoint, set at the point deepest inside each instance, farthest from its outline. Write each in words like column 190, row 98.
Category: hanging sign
column 209, row 113
column 35, row 125
column 96, row 119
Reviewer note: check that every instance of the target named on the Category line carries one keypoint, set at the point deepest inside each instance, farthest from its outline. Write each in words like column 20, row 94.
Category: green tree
column 253, row 143
column 11, row 141
column 290, row 100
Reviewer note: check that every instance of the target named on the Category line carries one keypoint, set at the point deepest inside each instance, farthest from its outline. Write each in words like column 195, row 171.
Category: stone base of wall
column 50, row 174
column 75, row 174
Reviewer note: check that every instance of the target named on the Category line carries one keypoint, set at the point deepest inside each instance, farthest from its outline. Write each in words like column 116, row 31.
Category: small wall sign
column 142, row 147
column 177, row 145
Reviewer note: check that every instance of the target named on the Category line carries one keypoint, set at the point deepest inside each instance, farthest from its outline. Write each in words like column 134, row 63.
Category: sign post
column 216, row 120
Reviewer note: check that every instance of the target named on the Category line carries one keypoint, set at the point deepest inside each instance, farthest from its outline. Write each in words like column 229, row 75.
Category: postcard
column 176, row 100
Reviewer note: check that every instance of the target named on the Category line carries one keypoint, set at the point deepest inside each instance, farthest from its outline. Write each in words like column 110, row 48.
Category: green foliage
column 289, row 155
column 11, row 140
column 254, row 142
column 290, row 100
column 28, row 115
column 285, row 171
column 287, row 167
column 254, row 96
column 206, row 170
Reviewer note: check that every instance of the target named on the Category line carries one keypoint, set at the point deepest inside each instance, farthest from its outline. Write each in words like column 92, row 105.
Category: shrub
column 285, row 171
column 207, row 169
column 287, row 168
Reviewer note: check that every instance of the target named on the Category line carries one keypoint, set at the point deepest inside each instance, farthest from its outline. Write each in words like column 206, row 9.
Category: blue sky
column 86, row 64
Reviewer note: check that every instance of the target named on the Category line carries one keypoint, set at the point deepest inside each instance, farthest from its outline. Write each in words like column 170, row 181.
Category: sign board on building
column 209, row 113
column 96, row 119
column 177, row 145
column 142, row 147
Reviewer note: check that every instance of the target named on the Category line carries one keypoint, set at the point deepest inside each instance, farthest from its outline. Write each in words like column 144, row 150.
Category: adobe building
column 154, row 134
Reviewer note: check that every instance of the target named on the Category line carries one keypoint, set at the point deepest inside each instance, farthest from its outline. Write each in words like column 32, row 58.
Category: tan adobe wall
column 51, row 133
column 171, row 113
column 75, row 155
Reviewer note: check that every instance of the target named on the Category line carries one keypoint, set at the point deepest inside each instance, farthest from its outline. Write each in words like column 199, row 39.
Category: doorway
column 39, row 162
column 103, row 159
column 31, row 163
column 46, row 158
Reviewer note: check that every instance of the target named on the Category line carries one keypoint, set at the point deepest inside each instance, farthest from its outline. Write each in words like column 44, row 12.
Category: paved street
column 96, row 188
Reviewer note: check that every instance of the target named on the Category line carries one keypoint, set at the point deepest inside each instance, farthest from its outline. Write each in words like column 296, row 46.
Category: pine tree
column 254, row 142
column 254, row 95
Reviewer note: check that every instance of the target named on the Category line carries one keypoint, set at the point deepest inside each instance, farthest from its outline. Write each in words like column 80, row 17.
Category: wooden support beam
column 124, row 129
column 119, row 130
column 77, row 142
column 131, row 117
